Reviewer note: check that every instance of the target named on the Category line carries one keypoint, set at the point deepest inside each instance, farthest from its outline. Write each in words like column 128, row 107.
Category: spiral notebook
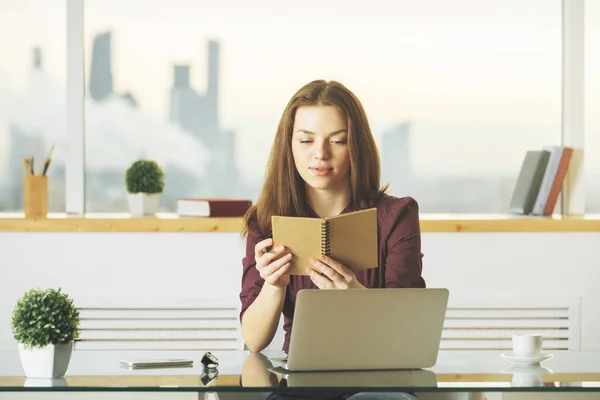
column 349, row 238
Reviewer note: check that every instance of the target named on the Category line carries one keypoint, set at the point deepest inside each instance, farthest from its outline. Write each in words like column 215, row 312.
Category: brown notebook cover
column 349, row 238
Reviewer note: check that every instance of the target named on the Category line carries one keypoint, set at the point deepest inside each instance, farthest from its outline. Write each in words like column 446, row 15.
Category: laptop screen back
column 366, row 329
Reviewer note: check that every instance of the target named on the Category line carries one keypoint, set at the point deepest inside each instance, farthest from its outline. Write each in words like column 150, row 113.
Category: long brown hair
column 284, row 191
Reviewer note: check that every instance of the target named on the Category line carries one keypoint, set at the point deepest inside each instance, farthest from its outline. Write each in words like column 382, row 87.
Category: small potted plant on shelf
column 145, row 182
column 45, row 323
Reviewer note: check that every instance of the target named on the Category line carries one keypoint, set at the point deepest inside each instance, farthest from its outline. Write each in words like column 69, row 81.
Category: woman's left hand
column 327, row 273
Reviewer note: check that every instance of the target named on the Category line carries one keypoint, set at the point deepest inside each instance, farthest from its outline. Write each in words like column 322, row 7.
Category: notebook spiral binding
column 325, row 238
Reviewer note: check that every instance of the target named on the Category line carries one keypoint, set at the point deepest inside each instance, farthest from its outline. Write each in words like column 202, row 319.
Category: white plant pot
column 48, row 362
column 142, row 204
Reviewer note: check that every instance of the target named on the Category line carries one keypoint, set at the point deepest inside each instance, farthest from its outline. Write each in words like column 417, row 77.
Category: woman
column 324, row 161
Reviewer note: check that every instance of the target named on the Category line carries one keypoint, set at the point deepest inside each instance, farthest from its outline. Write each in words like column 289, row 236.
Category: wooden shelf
column 15, row 222
column 117, row 223
column 508, row 223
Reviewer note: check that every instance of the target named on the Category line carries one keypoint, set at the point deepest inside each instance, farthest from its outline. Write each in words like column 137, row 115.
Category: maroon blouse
column 400, row 258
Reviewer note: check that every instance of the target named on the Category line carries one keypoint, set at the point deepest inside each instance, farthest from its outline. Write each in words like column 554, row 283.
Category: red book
column 212, row 207
column 563, row 166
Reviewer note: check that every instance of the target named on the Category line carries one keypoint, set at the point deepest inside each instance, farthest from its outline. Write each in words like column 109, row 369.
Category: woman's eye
column 306, row 141
column 338, row 141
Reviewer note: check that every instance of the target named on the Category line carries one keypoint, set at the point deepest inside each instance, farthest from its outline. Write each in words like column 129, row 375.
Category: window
column 456, row 92
column 32, row 97
column 592, row 107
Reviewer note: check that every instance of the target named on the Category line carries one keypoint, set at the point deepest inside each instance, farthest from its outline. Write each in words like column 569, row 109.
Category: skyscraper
column 183, row 99
column 101, row 77
column 194, row 111
column 181, row 78
column 199, row 113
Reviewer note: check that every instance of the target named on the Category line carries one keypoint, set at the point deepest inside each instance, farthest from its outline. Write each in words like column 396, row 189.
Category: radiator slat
column 198, row 345
column 162, row 334
column 159, row 323
column 497, row 344
column 503, row 333
column 158, row 313
column 510, row 313
column 521, row 324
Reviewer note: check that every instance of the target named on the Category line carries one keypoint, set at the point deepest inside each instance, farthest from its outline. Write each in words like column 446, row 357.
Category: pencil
column 48, row 160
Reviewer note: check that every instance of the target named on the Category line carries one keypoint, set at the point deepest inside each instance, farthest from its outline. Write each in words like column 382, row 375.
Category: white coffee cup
column 527, row 344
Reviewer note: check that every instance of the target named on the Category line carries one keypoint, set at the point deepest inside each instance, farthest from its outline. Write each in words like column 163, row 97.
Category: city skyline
column 396, row 151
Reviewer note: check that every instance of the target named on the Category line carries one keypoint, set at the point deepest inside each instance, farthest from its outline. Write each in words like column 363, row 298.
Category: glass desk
column 483, row 372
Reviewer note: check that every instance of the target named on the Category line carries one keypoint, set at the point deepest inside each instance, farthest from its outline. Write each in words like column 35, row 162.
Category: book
column 558, row 164
column 196, row 207
column 350, row 239
column 529, row 182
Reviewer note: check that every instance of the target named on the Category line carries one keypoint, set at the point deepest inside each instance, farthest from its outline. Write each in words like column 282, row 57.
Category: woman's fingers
column 265, row 258
column 332, row 274
column 261, row 248
column 337, row 267
column 274, row 277
column 271, row 268
column 322, row 282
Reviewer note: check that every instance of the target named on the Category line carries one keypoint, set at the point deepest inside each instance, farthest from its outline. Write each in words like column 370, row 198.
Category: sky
column 479, row 80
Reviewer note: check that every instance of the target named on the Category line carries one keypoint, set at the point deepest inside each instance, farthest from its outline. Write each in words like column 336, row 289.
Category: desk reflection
column 258, row 371
column 527, row 376
column 39, row 382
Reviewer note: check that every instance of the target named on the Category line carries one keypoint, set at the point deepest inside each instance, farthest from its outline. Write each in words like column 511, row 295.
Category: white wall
column 208, row 265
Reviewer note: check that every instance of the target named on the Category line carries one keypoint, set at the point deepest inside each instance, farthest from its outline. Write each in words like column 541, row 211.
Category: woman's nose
column 321, row 150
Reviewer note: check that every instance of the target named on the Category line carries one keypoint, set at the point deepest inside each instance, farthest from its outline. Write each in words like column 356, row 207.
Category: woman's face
column 320, row 147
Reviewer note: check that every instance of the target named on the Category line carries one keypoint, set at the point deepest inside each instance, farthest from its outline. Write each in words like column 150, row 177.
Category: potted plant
column 45, row 323
column 145, row 182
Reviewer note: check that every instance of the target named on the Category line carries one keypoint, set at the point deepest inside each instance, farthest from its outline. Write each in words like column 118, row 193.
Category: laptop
column 358, row 329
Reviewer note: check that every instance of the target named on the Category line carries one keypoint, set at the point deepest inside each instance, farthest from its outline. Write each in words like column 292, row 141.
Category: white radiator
column 488, row 324
column 170, row 324
column 165, row 325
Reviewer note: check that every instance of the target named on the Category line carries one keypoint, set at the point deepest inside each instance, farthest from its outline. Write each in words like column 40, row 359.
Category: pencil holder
column 36, row 196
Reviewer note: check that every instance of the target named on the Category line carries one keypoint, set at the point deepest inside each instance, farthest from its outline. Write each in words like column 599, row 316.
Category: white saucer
column 526, row 360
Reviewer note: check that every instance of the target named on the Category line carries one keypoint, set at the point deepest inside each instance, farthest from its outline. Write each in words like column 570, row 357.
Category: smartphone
column 157, row 363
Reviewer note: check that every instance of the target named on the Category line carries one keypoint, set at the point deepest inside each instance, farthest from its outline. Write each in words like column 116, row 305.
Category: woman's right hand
column 273, row 264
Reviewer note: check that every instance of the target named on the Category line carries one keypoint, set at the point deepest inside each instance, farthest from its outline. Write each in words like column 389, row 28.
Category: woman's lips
column 320, row 171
